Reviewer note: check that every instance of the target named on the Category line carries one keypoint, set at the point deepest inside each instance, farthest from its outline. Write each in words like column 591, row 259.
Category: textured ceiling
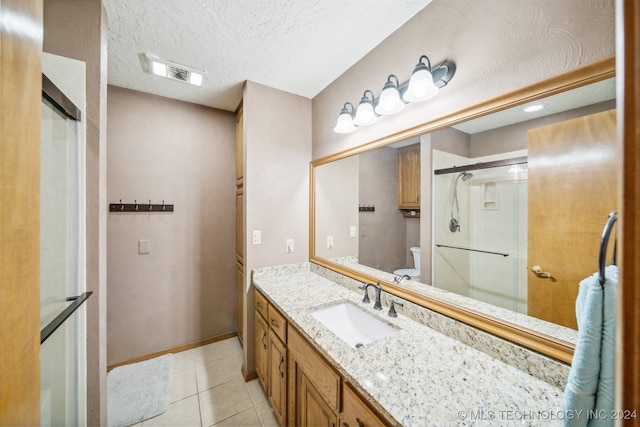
column 298, row 46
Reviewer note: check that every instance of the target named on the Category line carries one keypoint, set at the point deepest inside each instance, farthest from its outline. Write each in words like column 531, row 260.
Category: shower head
column 466, row 176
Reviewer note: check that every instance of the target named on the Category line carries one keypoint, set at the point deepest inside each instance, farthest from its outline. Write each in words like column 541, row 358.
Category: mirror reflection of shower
column 486, row 258
column 454, row 224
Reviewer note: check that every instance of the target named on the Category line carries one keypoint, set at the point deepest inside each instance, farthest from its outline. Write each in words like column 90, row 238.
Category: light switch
column 352, row 231
column 329, row 242
column 289, row 245
column 257, row 237
column 143, row 247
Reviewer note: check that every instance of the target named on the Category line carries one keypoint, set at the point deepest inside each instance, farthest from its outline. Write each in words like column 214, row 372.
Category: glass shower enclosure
column 62, row 283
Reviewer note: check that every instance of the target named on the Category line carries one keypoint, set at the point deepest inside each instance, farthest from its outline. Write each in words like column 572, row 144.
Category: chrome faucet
column 398, row 279
column 378, row 288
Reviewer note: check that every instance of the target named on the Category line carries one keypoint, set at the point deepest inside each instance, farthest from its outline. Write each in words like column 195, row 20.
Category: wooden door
column 277, row 377
column 311, row 409
column 572, row 188
column 261, row 349
column 20, row 98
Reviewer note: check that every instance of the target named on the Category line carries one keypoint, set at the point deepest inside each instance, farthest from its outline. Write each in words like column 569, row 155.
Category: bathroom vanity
column 414, row 377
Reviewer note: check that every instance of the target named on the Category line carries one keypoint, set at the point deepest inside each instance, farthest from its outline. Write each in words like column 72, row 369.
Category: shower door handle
column 537, row 270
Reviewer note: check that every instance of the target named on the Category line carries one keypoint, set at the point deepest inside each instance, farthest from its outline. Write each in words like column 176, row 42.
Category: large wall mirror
column 491, row 215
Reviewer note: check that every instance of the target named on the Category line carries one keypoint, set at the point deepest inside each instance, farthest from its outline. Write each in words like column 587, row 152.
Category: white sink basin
column 353, row 325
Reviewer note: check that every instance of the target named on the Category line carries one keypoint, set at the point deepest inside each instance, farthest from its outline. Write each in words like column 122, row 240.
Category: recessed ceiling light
column 532, row 108
column 156, row 66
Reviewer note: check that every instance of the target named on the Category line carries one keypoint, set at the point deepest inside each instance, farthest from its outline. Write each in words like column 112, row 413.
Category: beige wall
column 78, row 29
column 183, row 290
column 496, row 47
column 336, row 208
column 382, row 233
column 277, row 138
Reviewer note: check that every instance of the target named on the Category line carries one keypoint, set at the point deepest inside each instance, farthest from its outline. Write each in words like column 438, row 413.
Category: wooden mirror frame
column 542, row 343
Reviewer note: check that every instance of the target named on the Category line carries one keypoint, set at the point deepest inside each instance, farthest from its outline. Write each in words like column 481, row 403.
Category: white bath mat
column 138, row 391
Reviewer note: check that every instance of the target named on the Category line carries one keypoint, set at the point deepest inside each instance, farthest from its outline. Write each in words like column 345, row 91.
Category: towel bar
column 604, row 243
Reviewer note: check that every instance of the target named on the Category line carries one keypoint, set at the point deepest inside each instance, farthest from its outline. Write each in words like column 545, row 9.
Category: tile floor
column 207, row 389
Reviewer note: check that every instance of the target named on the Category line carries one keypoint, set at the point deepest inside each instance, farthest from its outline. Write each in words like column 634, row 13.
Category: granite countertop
column 419, row 377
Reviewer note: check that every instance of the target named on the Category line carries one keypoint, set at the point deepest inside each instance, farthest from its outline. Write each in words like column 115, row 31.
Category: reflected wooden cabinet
column 357, row 413
column 409, row 177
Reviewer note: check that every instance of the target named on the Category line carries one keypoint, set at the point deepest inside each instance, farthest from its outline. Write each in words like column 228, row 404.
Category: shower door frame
column 57, row 99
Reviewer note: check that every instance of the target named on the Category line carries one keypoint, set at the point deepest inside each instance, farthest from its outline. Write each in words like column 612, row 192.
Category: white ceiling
column 298, row 46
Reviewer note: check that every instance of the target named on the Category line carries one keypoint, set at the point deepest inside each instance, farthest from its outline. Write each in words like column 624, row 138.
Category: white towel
column 590, row 390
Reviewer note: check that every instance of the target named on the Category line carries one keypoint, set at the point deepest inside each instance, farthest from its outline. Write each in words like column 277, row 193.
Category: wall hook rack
column 140, row 207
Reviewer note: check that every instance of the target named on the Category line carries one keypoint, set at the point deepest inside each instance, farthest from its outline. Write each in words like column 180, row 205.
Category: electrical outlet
column 257, row 237
column 289, row 245
column 352, row 231
column 329, row 242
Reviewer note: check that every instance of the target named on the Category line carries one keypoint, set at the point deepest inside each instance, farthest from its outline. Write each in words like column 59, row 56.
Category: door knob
column 537, row 270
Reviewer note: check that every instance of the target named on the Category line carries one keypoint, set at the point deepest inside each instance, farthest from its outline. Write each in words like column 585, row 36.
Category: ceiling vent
column 160, row 67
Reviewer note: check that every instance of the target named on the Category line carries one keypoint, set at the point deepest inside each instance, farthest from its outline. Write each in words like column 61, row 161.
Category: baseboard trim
column 248, row 377
column 175, row 349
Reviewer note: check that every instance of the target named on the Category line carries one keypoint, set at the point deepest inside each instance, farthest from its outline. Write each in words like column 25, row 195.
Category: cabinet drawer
column 261, row 304
column 325, row 380
column 357, row 413
column 277, row 323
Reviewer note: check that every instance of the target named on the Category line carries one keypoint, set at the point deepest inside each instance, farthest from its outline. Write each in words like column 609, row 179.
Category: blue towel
column 590, row 390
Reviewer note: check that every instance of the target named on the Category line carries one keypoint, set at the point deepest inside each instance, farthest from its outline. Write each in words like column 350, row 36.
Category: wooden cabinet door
column 312, row 410
column 356, row 413
column 239, row 148
column 409, row 177
column 239, row 300
column 572, row 187
column 240, row 225
column 261, row 349
column 277, row 388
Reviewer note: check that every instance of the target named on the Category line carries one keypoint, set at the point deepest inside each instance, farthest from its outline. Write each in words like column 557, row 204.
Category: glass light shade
column 345, row 123
column 421, row 86
column 365, row 114
column 389, row 101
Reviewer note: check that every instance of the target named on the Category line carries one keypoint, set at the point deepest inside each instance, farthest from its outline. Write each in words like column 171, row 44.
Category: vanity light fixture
column 425, row 83
column 390, row 102
column 345, row 120
column 156, row 66
column 365, row 114
column 421, row 86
